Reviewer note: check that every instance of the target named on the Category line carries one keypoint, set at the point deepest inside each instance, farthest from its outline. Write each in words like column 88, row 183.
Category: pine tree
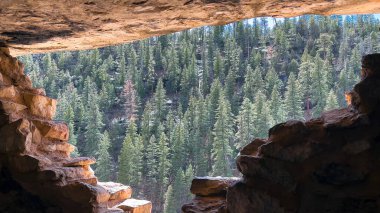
column 271, row 80
column 130, row 159
column 160, row 101
column 129, row 100
column 253, row 82
column 276, row 106
column 151, row 167
column 92, row 130
column 151, row 74
column 147, row 123
column 73, row 140
column 223, row 133
column 163, row 165
column 103, row 170
column 170, row 201
column 178, row 148
column 293, row 102
column 245, row 124
column 262, row 117
column 218, row 66
column 214, row 97
column 332, row 101
column 319, row 87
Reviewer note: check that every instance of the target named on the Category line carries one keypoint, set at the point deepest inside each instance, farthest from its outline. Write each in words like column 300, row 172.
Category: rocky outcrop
column 35, row 26
column 36, row 169
column 327, row 164
column 210, row 194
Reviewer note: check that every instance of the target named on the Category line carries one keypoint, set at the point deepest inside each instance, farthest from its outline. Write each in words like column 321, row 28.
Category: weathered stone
column 66, row 174
column 253, row 147
column 343, row 118
column 16, row 137
column 208, row 186
column 35, row 153
column 206, row 204
column 52, row 130
column 244, row 199
column 356, row 147
column 114, row 210
column 40, row 106
column 327, row 164
column 83, row 24
column 8, row 93
column 79, row 161
column 59, row 148
column 135, row 206
column 118, row 192
column 338, row 174
column 24, row 163
column 11, row 107
column 268, row 169
column 82, row 192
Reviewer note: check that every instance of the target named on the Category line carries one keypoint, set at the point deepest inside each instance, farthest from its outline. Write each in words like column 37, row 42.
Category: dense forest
column 155, row 113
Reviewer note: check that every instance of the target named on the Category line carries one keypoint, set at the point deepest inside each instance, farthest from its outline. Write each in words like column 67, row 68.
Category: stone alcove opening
column 76, row 72
column 29, row 101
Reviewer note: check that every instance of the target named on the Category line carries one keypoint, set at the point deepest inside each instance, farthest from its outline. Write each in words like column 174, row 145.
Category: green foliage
column 245, row 124
column 168, row 103
column 103, row 170
column 223, row 133
column 293, row 102
column 130, row 159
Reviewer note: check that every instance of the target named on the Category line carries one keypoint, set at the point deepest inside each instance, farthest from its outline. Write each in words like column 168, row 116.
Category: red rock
column 52, row 130
column 8, row 93
column 136, row 206
column 206, row 204
column 79, row 161
column 207, row 186
column 12, row 107
column 25, row 163
column 16, row 137
column 113, row 210
column 118, row 192
column 40, row 106
column 253, row 147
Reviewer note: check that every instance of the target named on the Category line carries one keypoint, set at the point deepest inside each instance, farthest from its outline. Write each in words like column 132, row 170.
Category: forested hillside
column 156, row 113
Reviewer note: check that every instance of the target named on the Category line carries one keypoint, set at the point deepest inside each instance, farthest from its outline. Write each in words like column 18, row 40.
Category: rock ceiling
column 35, row 26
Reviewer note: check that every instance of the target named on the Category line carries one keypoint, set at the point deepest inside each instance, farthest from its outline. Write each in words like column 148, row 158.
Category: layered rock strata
column 38, row 26
column 36, row 169
column 210, row 194
column 327, row 164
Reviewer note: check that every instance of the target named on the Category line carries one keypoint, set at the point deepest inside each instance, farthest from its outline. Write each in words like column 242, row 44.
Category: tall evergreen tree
column 103, row 170
column 332, row 101
column 223, row 133
column 245, row 124
column 293, row 102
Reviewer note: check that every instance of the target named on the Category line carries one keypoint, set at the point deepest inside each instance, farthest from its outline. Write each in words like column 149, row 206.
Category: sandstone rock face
column 41, row 26
column 210, row 194
column 37, row 173
column 328, row 164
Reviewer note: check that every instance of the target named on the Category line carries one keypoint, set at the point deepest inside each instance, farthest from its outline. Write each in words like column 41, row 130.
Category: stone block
column 207, row 186
column 136, row 206
column 40, row 106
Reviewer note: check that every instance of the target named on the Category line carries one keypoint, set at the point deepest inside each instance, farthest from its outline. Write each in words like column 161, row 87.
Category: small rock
column 253, row 147
column 79, row 161
column 118, row 191
column 206, row 186
column 51, row 130
column 40, row 106
column 136, row 206
column 206, row 204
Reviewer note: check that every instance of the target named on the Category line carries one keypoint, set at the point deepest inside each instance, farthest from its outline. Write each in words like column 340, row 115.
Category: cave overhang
column 38, row 26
